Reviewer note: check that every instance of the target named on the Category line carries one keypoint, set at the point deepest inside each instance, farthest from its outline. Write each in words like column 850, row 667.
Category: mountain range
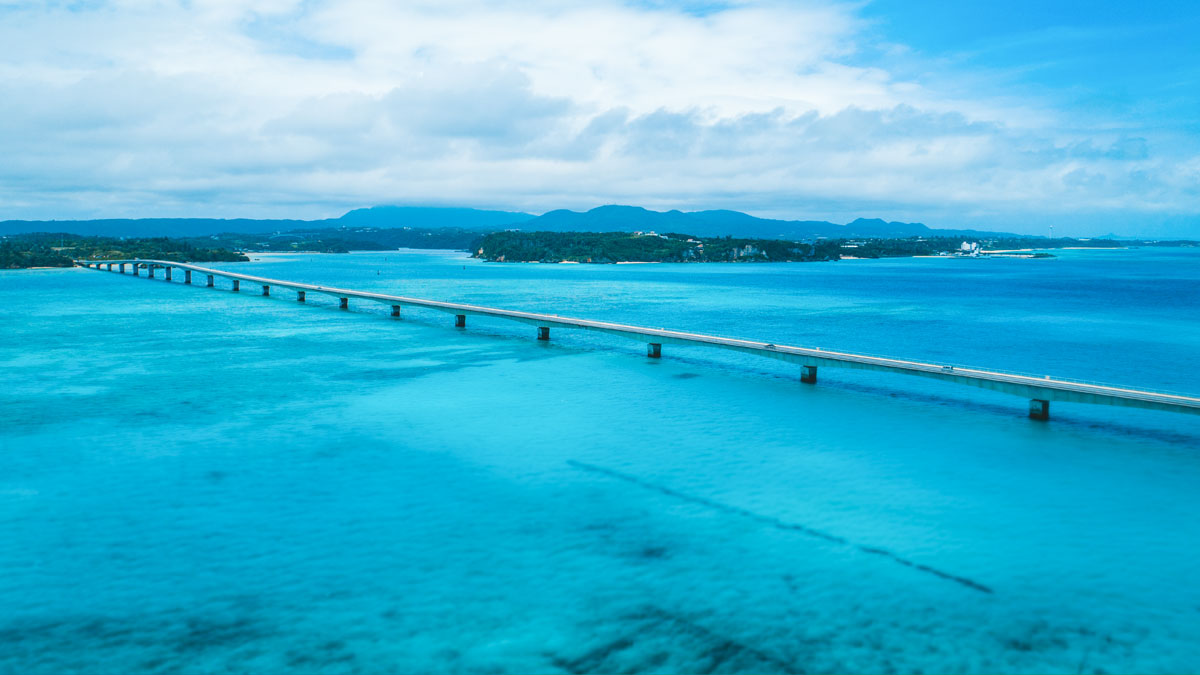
column 721, row 223
column 612, row 218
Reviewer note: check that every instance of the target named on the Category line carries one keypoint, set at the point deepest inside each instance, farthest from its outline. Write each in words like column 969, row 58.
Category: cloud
column 302, row 108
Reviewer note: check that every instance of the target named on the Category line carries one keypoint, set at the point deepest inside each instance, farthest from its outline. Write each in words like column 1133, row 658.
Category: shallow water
column 197, row 481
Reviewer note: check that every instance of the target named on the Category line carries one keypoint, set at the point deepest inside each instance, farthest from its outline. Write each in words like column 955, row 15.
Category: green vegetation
column 613, row 247
column 58, row 250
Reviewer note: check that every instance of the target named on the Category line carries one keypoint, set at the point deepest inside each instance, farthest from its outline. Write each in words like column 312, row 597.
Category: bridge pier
column 344, row 304
column 1039, row 409
column 808, row 374
column 187, row 276
column 1018, row 385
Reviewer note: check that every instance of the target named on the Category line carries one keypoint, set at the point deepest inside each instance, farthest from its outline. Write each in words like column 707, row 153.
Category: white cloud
column 303, row 109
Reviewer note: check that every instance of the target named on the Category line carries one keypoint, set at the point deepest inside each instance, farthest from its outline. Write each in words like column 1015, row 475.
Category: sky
column 1015, row 116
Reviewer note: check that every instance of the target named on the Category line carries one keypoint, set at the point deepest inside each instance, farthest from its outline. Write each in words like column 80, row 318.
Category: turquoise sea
column 197, row 481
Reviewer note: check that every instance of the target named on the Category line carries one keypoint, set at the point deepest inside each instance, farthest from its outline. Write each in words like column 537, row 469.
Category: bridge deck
column 1038, row 388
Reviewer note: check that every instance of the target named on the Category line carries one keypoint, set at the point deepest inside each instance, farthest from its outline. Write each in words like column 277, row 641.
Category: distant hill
column 431, row 217
column 610, row 218
column 721, row 223
column 383, row 217
column 150, row 227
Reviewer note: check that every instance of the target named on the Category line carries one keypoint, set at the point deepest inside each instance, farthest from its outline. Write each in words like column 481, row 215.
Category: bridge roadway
column 1039, row 390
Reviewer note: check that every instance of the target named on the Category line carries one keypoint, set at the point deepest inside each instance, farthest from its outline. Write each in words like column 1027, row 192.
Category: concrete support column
column 345, row 303
column 396, row 311
column 109, row 267
column 237, row 284
column 460, row 320
column 168, row 273
column 654, row 350
column 136, row 273
column 187, row 276
column 1039, row 409
column 121, row 267
column 299, row 296
column 266, row 290
column 808, row 374
column 150, row 271
column 543, row 332
column 210, row 281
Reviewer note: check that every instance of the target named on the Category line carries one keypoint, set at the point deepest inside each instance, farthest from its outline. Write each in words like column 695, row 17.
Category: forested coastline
column 59, row 250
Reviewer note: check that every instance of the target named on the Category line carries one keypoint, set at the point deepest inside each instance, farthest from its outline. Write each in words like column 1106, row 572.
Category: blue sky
column 1124, row 59
column 1013, row 116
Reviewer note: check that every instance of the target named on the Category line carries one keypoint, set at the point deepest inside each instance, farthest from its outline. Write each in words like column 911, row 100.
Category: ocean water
column 196, row 481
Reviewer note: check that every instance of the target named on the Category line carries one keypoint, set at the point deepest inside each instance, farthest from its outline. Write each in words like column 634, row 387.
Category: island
column 61, row 250
column 512, row 245
column 620, row 247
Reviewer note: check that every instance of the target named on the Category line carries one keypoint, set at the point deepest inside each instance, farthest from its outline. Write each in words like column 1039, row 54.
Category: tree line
column 59, row 250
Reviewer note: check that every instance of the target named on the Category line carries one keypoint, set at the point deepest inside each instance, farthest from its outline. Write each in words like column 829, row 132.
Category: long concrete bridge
column 1039, row 390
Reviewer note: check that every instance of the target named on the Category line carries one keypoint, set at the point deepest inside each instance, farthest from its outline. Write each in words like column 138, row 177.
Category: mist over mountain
column 611, row 218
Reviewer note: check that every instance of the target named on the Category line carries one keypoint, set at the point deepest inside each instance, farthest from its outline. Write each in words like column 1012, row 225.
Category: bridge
column 1039, row 390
